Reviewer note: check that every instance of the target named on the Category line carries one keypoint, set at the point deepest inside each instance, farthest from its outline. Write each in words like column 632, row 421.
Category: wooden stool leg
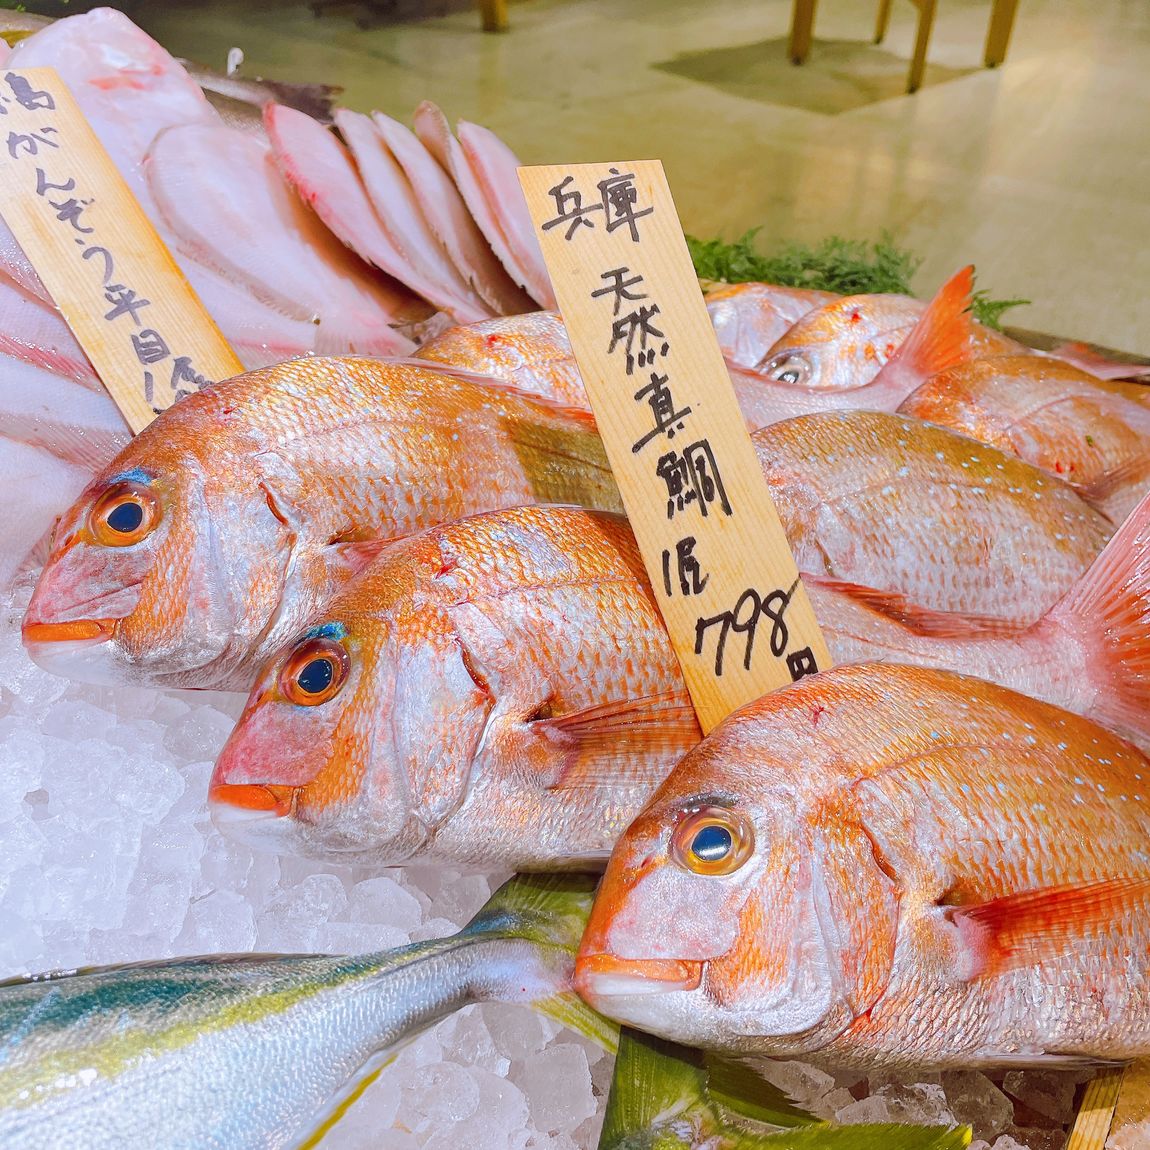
column 883, row 20
column 802, row 21
column 494, row 15
column 998, row 34
column 918, row 63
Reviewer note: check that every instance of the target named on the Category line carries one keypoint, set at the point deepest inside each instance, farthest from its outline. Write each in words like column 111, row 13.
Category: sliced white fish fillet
column 35, row 332
column 16, row 266
column 251, row 227
column 35, row 489
column 129, row 87
column 450, row 221
column 433, row 130
column 72, row 422
column 321, row 170
column 400, row 218
column 494, row 164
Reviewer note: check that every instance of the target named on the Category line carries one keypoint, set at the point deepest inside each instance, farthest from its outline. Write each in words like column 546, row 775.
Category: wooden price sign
column 116, row 284
column 714, row 548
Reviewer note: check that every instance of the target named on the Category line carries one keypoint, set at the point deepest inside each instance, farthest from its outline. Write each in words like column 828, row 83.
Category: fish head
column 358, row 738
column 724, row 921
column 839, row 346
column 164, row 569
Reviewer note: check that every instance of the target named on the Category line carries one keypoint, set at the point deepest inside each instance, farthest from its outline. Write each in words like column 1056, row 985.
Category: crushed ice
column 107, row 855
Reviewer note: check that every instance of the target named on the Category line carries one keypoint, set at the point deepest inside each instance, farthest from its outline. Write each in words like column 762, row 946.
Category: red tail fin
column 1109, row 609
column 940, row 339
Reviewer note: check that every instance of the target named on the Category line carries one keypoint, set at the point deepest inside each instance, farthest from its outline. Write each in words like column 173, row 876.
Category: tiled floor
column 1038, row 172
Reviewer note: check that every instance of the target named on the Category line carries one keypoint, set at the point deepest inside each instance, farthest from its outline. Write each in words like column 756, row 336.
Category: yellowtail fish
column 887, row 866
column 258, row 1052
column 218, row 530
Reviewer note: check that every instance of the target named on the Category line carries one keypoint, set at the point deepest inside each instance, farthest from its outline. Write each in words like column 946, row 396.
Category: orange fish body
column 750, row 318
column 510, row 671
column 529, row 351
column 219, row 529
column 1093, row 434
column 900, row 505
column 499, row 690
column 843, row 344
column 887, row 866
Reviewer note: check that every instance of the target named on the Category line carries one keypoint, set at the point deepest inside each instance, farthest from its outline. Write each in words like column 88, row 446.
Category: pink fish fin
column 922, row 620
column 354, row 555
column 598, row 740
column 939, row 340
column 579, row 414
column 1084, row 356
column 1109, row 610
column 1041, row 925
column 1134, row 473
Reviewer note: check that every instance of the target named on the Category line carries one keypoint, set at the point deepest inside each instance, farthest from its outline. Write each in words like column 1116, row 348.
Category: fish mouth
column 76, row 649
column 86, row 631
column 233, row 803
column 602, row 976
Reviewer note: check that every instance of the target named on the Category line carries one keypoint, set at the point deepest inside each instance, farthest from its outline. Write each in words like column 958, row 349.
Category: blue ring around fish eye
column 125, row 518
column 316, row 676
column 712, row 843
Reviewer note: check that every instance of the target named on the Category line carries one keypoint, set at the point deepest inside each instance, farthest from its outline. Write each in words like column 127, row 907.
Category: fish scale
column 1011, row 835
column 268, row 482
column 848, row 484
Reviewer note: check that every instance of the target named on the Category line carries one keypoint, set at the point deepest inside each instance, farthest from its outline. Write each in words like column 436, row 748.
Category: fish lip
column 85, row 631
column 249, row 802
column 604, row 975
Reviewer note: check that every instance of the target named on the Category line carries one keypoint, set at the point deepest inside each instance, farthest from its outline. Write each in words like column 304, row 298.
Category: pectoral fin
column 1040, row 925
column 595, row 744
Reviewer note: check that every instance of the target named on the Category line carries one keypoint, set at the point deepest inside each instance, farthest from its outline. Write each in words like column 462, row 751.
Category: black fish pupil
column 126, row 518
column 712, row 844
column 316, row 676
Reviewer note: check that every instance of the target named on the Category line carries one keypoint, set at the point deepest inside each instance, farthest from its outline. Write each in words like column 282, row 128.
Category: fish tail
column 940, row 339
column 1109, row 611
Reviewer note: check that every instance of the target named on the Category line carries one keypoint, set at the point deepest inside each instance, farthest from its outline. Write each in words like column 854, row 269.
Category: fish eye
column 314, row 672
column 712, row 841
column 792, row 369
column 126, row 513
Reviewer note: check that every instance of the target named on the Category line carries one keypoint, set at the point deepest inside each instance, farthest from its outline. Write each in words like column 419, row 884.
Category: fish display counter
column 314, row 663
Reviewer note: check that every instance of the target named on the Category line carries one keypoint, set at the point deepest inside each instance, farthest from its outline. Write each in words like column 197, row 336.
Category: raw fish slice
column 321, row 170
column 260, row 335
column 48, row 411
column 406, row 229
column 251, row 227
column 17, row 267
column 35, row 488
column 128, row 86
column 494, row 166
column 35, row 332
column 433, row 130
column 450, row 221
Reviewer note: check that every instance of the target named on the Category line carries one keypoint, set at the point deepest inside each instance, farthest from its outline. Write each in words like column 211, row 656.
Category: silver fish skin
column 260, row 1051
